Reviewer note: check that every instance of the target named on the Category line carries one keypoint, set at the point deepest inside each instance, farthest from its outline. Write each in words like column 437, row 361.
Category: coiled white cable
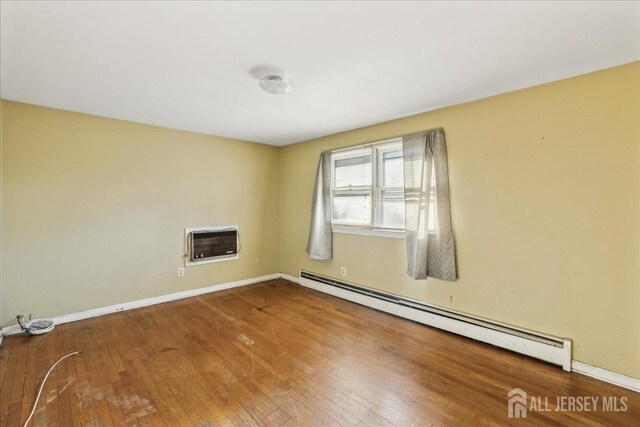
column 39, row 326
column 44, row 380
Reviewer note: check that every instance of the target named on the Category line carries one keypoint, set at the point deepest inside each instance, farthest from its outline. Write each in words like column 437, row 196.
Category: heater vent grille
column 212, row 244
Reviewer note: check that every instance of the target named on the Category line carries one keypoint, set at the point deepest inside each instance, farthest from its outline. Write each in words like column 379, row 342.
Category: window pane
column 392, row 172
column 391, row 210
column 352, row 170
column 432, row 217
column 433, row 212
column 433, row 220
column 389, row 207
column 351, row 208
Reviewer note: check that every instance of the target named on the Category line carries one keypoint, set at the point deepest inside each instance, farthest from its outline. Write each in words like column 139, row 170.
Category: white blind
column 389, row 188
column 352, row 168
column 351, row 189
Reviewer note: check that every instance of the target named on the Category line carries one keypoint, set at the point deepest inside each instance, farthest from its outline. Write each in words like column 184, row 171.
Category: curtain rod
column 366, row 144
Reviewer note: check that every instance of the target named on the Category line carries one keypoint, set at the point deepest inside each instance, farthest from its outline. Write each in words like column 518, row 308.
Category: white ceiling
column 188, row 65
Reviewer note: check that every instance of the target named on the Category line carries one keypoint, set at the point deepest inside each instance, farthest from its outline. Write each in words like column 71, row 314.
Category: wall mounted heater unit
column 212, row 244
column 545, row 347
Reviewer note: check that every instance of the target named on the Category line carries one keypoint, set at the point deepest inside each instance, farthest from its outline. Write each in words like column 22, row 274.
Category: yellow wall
column 545, row 205
column 545, row 187
column 95, row 209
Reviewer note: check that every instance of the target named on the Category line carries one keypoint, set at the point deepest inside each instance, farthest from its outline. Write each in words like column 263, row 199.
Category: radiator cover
column 541, row 346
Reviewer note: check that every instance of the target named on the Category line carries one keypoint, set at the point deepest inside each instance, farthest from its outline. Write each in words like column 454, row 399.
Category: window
column 367, row 186
column 367, row 189
column 351, row 187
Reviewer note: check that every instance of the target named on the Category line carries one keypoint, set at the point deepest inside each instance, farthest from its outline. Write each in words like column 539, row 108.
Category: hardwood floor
column 276, row 353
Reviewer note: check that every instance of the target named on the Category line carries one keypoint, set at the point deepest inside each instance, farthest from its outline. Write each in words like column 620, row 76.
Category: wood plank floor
column 276, row 353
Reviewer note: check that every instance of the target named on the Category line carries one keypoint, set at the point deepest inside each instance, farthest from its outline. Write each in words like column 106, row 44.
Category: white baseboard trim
column 575, row 365
column 72, row 317
column 11, row 330
column 606, row 375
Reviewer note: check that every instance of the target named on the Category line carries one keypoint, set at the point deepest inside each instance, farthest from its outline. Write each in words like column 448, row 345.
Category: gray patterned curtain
column 429, row 236
column 319, row 243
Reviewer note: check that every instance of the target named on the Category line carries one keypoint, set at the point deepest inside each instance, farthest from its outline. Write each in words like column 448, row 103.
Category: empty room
column 327, row 213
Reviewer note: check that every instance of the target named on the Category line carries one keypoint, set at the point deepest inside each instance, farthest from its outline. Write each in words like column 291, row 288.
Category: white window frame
column 373, row 190
column 355, row 189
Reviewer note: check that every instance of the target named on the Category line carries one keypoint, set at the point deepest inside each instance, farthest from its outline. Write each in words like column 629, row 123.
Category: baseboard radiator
column 541, row 346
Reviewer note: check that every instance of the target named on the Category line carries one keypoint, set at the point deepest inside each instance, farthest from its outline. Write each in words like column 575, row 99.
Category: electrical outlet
column 451, row 298
column 343, row 271
column 258, row 261
column 180, row 271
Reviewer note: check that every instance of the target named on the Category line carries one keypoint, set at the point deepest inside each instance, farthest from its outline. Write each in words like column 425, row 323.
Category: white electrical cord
column 39, row 326
column 44, row 380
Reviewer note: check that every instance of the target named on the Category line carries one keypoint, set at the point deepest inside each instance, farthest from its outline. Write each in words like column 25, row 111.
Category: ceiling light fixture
column 275, row 85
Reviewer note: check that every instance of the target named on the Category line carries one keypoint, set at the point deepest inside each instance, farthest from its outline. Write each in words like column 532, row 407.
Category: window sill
column 362, row 231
